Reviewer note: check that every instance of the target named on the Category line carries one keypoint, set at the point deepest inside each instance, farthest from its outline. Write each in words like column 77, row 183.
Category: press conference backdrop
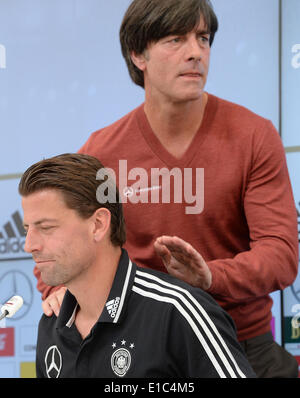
column 62, row 77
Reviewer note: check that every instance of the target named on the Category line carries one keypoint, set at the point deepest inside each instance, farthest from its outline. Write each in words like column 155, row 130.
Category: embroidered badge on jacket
column 121, row 358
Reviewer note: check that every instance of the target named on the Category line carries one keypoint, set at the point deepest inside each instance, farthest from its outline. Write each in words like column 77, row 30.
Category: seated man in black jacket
column 116, row 319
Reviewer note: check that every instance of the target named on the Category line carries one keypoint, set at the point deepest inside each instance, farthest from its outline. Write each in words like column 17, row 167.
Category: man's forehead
column 47, row 200
column 41, row 221
column 48, row 195
column 201, row 26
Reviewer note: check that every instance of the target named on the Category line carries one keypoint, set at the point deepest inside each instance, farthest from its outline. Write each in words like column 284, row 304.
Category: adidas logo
column 112, row 306
column 12, row 239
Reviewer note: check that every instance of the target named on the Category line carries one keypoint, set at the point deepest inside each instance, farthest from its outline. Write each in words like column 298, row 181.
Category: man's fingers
column 55, row 306
column 47, row 308
column 60, row 294
column 181, row 250
column 52, row 303
column 177, row 245
column 162, row 251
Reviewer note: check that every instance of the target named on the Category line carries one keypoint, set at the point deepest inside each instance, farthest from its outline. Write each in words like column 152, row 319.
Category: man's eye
column 204, row 39
column 46, row 228
column 175, row 40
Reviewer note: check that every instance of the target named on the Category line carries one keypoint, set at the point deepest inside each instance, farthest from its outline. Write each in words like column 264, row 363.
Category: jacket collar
column 115, row 305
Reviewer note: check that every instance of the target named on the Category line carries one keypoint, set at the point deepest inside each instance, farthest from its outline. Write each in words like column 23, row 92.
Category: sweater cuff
column 219, row 284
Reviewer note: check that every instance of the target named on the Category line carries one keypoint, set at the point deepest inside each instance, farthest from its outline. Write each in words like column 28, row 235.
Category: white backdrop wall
column 62, row 76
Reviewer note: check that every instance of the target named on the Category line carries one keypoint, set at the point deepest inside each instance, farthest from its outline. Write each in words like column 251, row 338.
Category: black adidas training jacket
column 153, row 325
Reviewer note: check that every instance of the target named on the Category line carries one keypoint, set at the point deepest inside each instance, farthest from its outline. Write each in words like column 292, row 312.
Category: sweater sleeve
column 272, row 261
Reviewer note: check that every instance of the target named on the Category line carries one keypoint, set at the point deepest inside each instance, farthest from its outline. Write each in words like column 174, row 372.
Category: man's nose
column 32, row 242
column 194, row 48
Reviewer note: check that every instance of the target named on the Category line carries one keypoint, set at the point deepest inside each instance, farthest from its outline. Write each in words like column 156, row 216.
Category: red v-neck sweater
column 247, row 229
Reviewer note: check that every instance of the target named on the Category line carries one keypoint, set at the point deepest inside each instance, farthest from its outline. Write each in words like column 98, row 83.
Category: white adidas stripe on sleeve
column 199, row 313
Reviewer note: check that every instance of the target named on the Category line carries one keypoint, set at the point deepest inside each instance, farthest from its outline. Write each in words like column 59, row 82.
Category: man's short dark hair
column 147, row 21
column 74, row 175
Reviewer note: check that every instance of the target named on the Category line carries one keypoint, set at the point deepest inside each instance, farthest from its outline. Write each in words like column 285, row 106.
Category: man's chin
column 50, row 281
column 197, row 95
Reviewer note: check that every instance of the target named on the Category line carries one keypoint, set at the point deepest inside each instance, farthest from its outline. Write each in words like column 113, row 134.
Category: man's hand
column 53, row 302
column 183, row 261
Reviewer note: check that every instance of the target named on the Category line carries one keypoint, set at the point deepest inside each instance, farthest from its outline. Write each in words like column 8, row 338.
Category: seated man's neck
column 91, row 289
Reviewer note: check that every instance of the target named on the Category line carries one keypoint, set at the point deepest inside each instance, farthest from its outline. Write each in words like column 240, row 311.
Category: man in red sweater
column 203, row 169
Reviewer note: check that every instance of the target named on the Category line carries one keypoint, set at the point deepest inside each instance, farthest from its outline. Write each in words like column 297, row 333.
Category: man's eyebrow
column 203, row 32
column 43, row 220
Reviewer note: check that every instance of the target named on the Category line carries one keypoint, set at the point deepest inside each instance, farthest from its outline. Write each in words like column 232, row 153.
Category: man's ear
column 101, row 223
column 139, row 60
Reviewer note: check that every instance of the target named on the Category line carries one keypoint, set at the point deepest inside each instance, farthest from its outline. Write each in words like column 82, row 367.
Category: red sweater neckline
column 161, row 152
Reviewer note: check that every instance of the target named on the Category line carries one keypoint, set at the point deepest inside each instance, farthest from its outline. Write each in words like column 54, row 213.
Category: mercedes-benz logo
column 14, row 283
column 53, row 361
column 128, row 192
